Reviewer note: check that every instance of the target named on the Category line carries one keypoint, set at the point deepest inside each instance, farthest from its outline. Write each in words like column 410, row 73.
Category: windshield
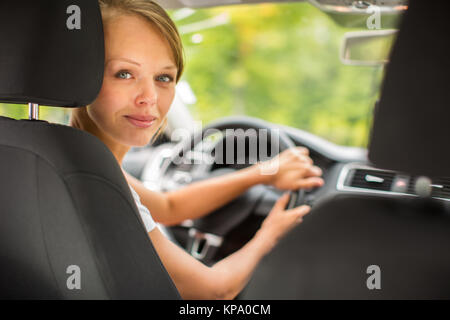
column 279, row 62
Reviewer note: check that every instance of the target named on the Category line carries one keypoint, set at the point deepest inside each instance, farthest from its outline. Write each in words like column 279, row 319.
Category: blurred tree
column 20, row 111
column 279, row 62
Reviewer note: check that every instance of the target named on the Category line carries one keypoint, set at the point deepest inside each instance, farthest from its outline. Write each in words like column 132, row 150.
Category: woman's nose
column 148, row 94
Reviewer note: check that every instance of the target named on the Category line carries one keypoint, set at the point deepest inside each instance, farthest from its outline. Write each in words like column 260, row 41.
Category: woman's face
column 138, row 84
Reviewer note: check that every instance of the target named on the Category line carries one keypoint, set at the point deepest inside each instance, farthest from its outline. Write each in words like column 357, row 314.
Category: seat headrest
column 410, row 130
column 51, row 52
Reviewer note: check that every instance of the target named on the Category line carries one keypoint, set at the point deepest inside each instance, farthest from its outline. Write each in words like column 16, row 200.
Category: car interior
column 65, row 201
column 49, row 224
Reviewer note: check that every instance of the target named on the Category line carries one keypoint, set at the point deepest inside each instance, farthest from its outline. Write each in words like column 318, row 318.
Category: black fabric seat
column 63, row 198
column 329, row 255
column 408, row 238
column 410, row 130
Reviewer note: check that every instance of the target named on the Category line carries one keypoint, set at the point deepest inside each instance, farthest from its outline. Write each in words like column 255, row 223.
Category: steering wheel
column 201, row 155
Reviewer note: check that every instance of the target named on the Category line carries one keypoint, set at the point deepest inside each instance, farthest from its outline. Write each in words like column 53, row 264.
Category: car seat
column 336, row 252
column 69, row 227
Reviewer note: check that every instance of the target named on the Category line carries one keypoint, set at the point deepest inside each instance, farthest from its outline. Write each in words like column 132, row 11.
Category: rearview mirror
column 367, row 48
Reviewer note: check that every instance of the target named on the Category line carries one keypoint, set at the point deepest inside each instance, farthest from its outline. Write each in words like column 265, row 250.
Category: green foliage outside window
column 279, row 62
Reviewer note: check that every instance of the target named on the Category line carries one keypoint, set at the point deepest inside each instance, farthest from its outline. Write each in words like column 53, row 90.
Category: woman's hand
column 280, row 221
column 292, row 169
column 226, row 278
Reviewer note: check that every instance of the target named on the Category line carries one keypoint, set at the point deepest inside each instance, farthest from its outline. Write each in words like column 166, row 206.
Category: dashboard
column 346, row 172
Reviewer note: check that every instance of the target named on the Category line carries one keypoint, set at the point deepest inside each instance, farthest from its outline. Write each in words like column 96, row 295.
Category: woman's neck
column 80, row 119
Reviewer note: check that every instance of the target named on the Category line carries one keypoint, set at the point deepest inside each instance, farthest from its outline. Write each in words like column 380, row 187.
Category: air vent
column 370, row 179
column 362, row 178
column 440, row 187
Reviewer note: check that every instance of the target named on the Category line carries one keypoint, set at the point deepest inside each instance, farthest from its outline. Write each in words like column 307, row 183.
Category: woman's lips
column 141, row 121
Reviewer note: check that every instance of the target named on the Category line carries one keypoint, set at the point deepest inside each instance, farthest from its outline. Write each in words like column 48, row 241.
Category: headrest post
column 33, row 111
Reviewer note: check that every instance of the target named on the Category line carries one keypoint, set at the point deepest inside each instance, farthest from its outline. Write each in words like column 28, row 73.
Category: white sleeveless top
column 146, row 217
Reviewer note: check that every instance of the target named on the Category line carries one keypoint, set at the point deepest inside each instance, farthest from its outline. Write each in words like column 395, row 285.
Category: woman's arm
column 197, row 199
column 294, row 169
column 228, row 277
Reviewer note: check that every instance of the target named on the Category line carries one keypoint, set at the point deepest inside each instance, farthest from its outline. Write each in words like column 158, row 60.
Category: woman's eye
column 165, row 78
column 123, row 74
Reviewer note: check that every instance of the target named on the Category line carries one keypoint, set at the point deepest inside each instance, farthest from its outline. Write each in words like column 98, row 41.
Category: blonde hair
column 156, row 15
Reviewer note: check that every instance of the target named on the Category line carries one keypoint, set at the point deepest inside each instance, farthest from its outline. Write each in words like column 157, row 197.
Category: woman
column 143, row 62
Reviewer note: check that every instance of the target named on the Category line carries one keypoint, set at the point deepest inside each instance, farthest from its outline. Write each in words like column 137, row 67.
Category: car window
column 279, row 62
column 51, row 114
